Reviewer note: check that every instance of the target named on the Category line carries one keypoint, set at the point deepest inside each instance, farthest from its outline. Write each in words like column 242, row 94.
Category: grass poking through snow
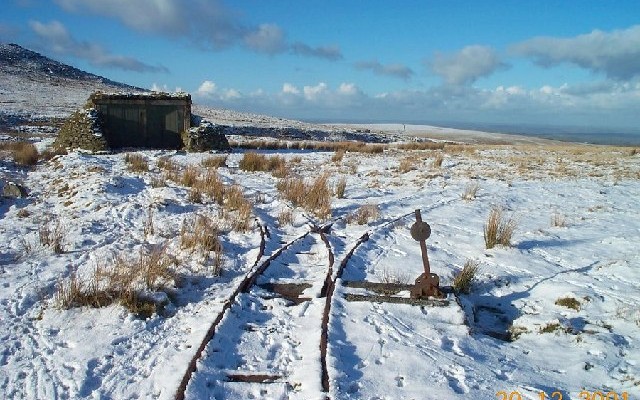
column 498, row 229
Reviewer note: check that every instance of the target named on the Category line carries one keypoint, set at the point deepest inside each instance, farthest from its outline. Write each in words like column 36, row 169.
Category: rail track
column 265, row 341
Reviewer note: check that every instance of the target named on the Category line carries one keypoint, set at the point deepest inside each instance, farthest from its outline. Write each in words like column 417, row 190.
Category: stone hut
column 143, row 120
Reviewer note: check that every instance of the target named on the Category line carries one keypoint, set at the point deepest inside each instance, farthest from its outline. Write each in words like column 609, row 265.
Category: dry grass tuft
column 408, row 164
column 211, row 185
column 394, row 277
column 314, row 197
column 129, row 281
column 214, row 162
column 337, row 156
column 558, row 220
column 136, row 162
column 341, row 187
column 50, row 153
column 569, row 302
column 498, row 229
column 199, row 234
column 550, row 327
column 167, row 164
column 241, row 208
column 158, row 181
column 252, row 161
column 52, row 235
column 420, row 146
column 194, row 195
column 22, row 152
column 470, row 191
column 292, row 189
column 463, row 280
column 437, row 161
column 190, row 176
column 285, row 217
column 354, row 147
column 318, row 197
column 364, row 214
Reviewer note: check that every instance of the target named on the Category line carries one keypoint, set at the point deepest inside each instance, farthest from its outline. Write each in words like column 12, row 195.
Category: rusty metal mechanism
column 427, row 284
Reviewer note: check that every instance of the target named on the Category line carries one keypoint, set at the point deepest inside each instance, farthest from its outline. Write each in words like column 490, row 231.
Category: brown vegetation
column 127, row 281
column 498, row 229
column 22, row 152
column 463, row 280
column 136, row 162
column 364, row 214
column 315, row 196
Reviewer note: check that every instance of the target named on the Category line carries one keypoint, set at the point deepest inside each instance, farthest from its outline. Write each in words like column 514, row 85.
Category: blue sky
column 512, row 62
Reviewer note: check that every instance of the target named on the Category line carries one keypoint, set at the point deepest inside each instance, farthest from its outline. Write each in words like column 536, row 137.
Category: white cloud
column 59, row 40
column 546, row 104
column 231, row 94
column 348, row 89
column 313, row 93
column 616, row 53
column 466, row 65
column 267, row 38
column 209, row 91
column 288, row 88
column 207, row 23
column 331, row 53
column 206, row 89
column 395, row 70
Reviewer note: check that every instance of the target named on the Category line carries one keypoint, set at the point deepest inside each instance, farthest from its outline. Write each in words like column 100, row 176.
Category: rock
column 205, row 137
column 82, row 130
column 12, row 190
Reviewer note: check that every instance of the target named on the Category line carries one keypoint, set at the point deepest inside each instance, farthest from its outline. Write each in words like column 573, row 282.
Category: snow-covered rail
column 303, row 266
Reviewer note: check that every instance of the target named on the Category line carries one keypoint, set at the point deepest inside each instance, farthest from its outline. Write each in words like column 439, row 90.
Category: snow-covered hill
column 35, row 87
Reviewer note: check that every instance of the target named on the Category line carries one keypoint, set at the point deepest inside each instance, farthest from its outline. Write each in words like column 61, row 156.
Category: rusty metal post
column 427, row 284
column 423, row 243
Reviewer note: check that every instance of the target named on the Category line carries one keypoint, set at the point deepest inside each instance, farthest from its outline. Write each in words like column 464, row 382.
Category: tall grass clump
column 252, row 161
column 364, row 214
column 314, row 197
column 214, row 162
column 318, row 197
column 463, row 280
column 470, row 191
column 285, row 217
column 241, row 208
column 498, row 229
column 341, row 187
column 337, row 156
column 52, row 234
column 190, row 176
column 136, row 162
column 558, row 220
column 437, row 161
column 165, row 163
column 130, row 281
column 22, row 152
column 201, row 235
column 211, row 185
column 420, row 146
column 407, row 164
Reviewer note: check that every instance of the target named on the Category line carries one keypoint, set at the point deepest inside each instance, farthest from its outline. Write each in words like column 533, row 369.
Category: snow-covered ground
column 375, row 350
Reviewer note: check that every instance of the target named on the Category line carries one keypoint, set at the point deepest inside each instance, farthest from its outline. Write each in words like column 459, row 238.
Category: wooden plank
column 396, row 300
